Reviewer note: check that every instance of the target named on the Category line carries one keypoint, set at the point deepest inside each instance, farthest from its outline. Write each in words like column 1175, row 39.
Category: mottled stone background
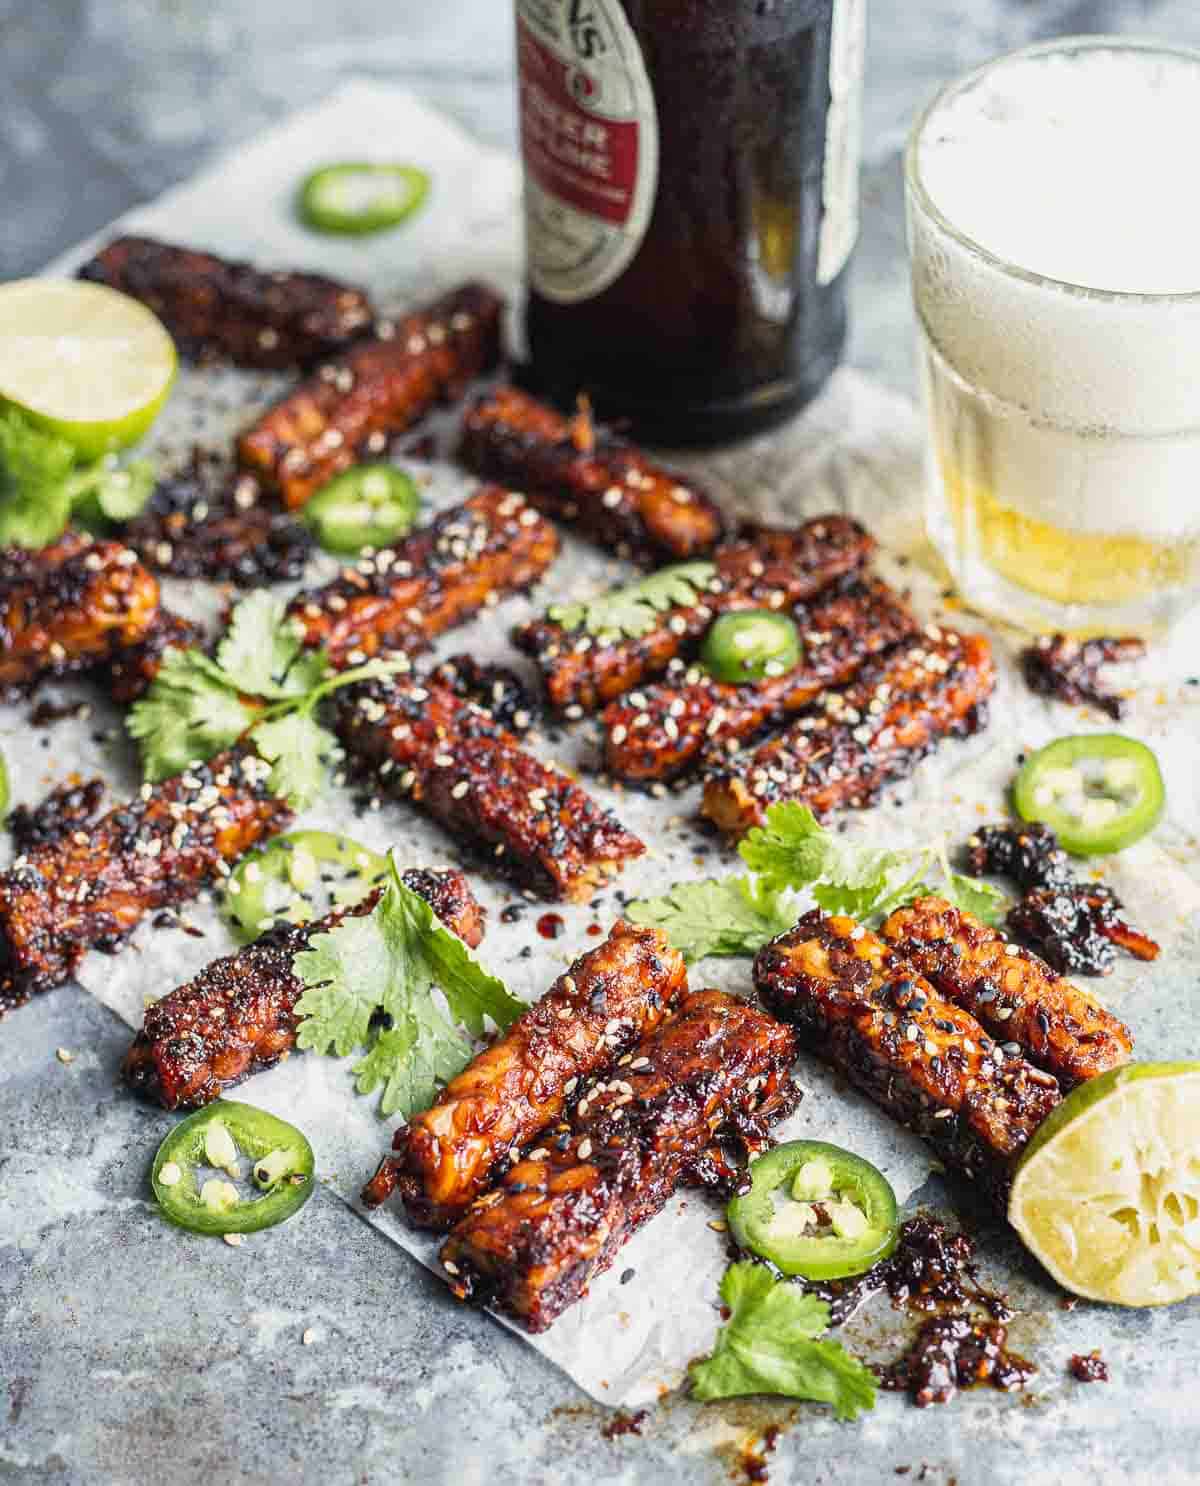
column 131, row 1353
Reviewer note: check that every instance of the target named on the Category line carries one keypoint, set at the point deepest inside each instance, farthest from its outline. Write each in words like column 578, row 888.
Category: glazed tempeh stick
column 379, row 386
column 561, row 1214
column 664, row 737
column 534, row 824
column 924, row 1060
column 69, row 606
column 440, row 576
column 234, row 311
column 91, row 889
column 775, row 569
column 611, row 997
column 873, row 733
column 1013, row 993
column 239, row 1014
column 606, row 488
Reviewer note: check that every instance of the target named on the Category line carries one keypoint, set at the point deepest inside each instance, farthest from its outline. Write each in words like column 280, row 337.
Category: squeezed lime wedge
column 1107, row 1197
column 83, row 361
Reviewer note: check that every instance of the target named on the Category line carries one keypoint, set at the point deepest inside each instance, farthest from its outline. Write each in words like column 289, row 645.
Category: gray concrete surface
column 130, row 1352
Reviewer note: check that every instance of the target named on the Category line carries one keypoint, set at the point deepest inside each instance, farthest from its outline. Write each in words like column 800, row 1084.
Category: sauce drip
column 550, row 925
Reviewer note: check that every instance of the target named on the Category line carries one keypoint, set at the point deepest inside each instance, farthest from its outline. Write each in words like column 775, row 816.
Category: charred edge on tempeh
column 611, row 997
column 221, row 310
column 778, row 569
column 91, row 889
column 69, row 606
column 401, row 598
column 929, row 1063
column 497, row 689
column 677, row 720
column 1015, row 995
column 68, row 807
column 528, row 820
column 131, row 669
column 379, row 386
column 238, row 1015
column 602, row 486
column 871, row 734
column 561, row 1214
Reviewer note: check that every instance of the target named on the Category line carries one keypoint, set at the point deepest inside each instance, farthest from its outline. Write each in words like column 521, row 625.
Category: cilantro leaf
column 261, row 652
column 105, row 493
column 634, row 610
column 35, row 498
column 769, row 1345
column 298, row 746
column 718, row 916
column 389, row 961
column 973, row 896
column 188, row 713
column 794, row 850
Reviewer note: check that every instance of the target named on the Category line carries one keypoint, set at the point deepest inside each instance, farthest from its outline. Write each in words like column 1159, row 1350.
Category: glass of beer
column 1055, row 247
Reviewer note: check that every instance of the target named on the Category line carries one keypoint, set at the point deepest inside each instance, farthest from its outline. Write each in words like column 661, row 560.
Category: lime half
column 83, row 361
column 1107, row 1196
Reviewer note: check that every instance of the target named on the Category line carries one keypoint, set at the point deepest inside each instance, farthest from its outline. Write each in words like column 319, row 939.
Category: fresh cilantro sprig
column 633, row 611
column 369, row 985
column 42, row 487
column 793, row 853
column 770, row 1344
column 263, row 684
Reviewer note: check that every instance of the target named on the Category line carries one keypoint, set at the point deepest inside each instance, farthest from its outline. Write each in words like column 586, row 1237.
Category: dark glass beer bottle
column 691, row 202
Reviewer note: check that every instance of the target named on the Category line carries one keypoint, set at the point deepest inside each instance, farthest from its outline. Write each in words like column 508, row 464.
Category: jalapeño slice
column 750, row 645
column 356, row 198
column 1098, row 792
column 370, row 505
column 198, row 1163
column 816, row 1210
column 297, row 877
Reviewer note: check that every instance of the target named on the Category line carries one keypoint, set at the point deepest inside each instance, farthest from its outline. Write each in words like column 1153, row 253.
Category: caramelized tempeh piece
column 589, row 1018
column 1015, row 995
column 239, row 1014
column 606, row 488
column 440, row 576
column 218, row 309
column 561, row 1214
column 873, row 733
column 91, row 889
column 131, row 668
column 69, row 606
column 453, row 759
column 379, row 386
column 776, row 569
column 929, row 1063
column 680, row 719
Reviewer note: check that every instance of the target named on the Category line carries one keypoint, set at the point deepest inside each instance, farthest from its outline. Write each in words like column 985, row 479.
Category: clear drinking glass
column 1064, row 459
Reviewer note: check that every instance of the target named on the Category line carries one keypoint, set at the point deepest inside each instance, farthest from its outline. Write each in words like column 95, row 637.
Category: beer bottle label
column 589, row 136
column 843, row 131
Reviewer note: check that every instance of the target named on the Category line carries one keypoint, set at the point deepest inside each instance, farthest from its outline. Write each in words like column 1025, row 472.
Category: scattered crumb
column 64, row 1055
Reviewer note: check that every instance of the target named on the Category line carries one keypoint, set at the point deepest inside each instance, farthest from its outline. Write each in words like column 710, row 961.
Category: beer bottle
column 691, row 203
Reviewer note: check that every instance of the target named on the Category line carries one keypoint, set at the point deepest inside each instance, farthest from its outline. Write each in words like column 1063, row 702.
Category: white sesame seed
column 585, row 1149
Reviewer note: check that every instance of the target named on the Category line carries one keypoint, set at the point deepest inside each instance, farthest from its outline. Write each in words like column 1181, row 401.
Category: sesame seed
column 64, row 1055
column 585, row 1149
column 234, row 1240
column 449, row 1266
column 460, row 789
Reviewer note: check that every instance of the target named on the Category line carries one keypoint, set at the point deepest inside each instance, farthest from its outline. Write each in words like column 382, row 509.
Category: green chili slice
column 296, row 878
column 751, row 645
column 198, row 1164
column 1098, row 792
column 370, row 505
column 816, row 1210
column 359, row 197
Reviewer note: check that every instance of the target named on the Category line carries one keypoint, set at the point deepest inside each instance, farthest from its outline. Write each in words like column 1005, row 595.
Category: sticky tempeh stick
column 238, row 1015
column 562, row 1213
column 680, row 720
column 421, row 742
column 1012, row 992
column 591, row 1016
column 602, row 486
column 382, row 385
column 924, row 1060
column 874, row 732
column 774, row 569
column 217, row 309
column 90, row 889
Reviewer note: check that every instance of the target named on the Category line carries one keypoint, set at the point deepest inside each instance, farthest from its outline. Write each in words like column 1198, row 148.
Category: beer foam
column 1073, row 165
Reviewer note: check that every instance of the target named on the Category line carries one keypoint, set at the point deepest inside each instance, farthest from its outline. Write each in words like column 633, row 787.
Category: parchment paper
column 858, row 449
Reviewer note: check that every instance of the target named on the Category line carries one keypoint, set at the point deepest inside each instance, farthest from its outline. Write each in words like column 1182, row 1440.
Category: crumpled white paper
column 857, row 449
